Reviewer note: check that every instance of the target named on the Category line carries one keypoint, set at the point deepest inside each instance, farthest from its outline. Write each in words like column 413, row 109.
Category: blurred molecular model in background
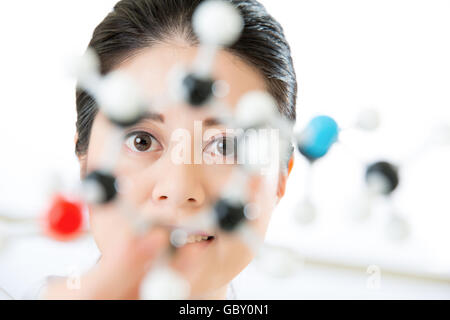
column 382, row 177
column 217, row 24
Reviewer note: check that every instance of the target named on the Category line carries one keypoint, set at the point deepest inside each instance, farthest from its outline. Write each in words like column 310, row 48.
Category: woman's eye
column 222, row 146
column 142, row 142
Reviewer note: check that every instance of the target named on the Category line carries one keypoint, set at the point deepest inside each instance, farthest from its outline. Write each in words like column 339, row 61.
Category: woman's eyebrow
column 153, row 116
column 150, row 116
column 209, row 122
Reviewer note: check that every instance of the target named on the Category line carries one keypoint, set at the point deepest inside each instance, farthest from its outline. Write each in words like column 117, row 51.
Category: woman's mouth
column 194, row 238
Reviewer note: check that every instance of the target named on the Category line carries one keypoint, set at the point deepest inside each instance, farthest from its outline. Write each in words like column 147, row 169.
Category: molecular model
column 382, row 178
column 217, row 24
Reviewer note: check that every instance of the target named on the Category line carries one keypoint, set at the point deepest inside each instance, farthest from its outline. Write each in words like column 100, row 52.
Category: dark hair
column 137, row 24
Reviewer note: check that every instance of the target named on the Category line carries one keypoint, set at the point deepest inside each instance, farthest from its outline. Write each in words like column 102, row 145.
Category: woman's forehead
column 153, row 69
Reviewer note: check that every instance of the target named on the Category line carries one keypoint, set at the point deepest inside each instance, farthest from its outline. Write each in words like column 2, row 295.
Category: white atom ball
column 86, row 68
column 164, row 284
column 120, row 98
column 256, row 108
column 217, row 22
column 368, row 119
column 178, row 238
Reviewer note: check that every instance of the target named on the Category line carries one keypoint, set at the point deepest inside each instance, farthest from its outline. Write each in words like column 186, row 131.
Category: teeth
column 196, row 238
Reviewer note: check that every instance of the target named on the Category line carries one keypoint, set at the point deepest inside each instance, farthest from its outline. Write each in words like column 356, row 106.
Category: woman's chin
column 201, row 266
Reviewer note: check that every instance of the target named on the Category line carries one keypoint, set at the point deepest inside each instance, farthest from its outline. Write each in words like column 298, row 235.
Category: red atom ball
column 64, row 218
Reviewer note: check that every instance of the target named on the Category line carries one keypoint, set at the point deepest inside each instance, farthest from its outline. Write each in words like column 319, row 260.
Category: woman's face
column 157, row 185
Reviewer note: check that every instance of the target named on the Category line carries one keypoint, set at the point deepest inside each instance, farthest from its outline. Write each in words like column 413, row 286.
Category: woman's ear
column 291, row 164
column 284, row 174
column 76, row 138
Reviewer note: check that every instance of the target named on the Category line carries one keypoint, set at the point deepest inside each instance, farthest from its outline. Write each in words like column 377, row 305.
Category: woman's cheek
column 100, row 229
column 262, row 199
column 108, row 228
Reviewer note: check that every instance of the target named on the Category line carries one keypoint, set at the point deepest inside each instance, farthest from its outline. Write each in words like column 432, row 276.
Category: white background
column 389, row 54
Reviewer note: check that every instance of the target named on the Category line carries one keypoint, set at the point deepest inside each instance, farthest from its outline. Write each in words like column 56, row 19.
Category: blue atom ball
column 318, row 137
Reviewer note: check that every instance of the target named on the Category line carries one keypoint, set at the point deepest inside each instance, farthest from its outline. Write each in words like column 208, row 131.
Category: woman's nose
column 180, row 186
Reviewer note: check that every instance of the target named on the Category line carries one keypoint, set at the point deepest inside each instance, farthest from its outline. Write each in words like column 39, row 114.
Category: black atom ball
column 104, row 182
column 229, row 215
column 386, row 170
column 197, row 90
